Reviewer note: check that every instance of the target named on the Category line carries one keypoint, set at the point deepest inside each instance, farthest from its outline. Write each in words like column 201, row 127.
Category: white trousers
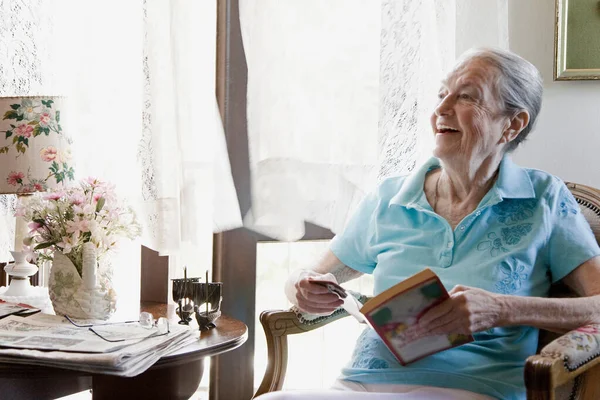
column 347, row 390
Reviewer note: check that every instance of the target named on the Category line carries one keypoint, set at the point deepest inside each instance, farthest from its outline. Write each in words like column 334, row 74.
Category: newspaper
column 124, row 360
column 32, row 333
column 11, row 308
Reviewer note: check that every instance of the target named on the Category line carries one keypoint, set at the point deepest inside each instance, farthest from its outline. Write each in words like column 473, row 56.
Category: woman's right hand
column 310, row 297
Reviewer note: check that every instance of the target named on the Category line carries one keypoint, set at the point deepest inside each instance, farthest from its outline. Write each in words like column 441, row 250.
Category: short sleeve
column 572, row 241
column 353, row 246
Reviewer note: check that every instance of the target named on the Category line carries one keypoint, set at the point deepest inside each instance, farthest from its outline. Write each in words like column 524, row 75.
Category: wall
column 567, row 138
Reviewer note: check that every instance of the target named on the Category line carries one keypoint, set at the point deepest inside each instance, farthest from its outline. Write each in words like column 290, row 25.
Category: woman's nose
column 445, row 106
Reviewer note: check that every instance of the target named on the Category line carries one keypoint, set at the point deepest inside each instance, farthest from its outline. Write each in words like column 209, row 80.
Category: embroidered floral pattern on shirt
column 364, row 353
column 494, row 245
column 513, row 278
column 568, row 206
column 510, row 212
column 512, row 235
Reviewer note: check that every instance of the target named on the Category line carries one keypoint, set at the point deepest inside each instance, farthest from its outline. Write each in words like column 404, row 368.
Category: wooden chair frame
column 543, row 375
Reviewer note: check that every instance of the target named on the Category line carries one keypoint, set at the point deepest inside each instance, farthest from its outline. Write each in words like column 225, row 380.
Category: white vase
column 69, row 293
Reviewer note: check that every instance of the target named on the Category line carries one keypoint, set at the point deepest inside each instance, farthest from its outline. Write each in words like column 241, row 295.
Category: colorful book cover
column 394, row 311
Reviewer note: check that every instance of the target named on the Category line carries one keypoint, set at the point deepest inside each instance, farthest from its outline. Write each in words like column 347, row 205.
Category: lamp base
column 19, row 287
column 38, row 299
column 20, row 272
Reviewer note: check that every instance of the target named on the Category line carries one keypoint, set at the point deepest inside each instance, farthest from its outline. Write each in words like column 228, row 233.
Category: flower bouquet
column 76, row 228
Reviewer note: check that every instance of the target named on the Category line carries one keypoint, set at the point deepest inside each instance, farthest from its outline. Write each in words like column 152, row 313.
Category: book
column 394, row 311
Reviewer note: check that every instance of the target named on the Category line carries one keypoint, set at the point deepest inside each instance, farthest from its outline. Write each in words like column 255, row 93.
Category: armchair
column 566, row 367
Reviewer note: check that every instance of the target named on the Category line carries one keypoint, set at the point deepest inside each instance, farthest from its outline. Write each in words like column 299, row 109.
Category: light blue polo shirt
column 526, row 233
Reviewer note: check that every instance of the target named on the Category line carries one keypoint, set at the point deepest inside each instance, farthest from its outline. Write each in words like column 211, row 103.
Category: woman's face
column 468, row 121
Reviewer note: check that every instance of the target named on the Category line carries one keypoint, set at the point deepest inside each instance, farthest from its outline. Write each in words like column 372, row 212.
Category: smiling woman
column 493, row 232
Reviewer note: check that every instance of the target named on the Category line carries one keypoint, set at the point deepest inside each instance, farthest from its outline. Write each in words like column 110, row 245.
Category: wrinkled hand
column 313, row 298
column 467, row 311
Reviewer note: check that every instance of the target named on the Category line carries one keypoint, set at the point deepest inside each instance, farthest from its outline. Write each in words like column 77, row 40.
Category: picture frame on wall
column 577, row 40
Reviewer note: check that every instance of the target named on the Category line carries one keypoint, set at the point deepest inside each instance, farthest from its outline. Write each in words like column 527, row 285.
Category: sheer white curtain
column 188, row 186
column 339, row 96
column 139, row 76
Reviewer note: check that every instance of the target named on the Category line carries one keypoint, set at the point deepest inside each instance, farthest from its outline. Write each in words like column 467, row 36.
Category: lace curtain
column 339, row 96
column 141, row 109
column 21, row 56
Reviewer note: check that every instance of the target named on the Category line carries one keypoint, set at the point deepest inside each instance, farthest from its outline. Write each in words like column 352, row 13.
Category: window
column 331, row 346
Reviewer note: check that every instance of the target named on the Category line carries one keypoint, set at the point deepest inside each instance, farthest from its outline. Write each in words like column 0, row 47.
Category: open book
column 393, row 312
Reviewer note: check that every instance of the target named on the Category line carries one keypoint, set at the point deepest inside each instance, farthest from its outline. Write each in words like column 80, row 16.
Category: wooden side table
column 175, row 376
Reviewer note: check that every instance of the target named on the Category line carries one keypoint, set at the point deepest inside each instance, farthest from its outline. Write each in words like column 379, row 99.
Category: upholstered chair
column 566, row 367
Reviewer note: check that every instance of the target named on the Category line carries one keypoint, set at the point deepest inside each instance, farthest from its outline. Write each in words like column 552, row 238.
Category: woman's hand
column 310, row 297
column 467, row 311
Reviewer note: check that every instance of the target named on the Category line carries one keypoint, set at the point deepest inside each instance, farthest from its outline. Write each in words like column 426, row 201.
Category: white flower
column 27, row 109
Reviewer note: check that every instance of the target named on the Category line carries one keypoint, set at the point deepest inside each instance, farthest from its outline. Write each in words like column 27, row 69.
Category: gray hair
column 519, row 85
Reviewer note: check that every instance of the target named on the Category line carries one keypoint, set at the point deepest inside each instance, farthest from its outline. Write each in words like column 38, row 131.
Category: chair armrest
column 278, row 324
column 563, row 360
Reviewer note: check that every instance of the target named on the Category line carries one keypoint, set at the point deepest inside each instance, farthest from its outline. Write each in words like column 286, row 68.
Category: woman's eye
column 464, row 96
column 441, row 95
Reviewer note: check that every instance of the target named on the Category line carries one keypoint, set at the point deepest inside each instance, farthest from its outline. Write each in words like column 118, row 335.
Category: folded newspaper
column 53, row 341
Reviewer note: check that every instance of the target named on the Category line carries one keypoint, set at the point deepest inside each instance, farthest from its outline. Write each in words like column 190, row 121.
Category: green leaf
column 100, row 204
column 21, row 148
column 4, row 149
column 8, row 134
column 32, row 123
column 15, row 106
column 44, row 245
column 20, row 117
column 59, row 177
column 57, row 117
column 11, row 115
column 36, row 131
column 46, row 131
column 48, row 103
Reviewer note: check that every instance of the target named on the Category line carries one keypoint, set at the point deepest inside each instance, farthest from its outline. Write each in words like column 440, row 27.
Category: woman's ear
column 516, row 124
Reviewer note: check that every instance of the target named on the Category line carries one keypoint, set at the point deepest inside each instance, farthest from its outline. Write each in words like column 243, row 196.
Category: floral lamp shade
column 35, row 151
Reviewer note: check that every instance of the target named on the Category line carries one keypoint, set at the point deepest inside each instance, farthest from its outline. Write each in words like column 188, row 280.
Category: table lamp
column 35, row 156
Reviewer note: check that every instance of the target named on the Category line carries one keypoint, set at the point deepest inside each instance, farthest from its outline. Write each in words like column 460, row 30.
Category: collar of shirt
column 513, row 183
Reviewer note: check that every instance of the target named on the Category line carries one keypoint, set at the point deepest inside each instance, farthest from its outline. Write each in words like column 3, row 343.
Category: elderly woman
column 496, row 234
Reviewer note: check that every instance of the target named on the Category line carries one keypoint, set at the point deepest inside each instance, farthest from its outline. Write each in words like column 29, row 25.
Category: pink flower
column 39, row 187
column 49, row 154
column 85, row 209
column 14, row 178
column 20, row 210
column 93, row 181
column 53, row 196
column 31, row 255
column 45, row 119
column 24, row 130
column 33, row 227
column 588, row 329
column 77, row 199
column 78, row 226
